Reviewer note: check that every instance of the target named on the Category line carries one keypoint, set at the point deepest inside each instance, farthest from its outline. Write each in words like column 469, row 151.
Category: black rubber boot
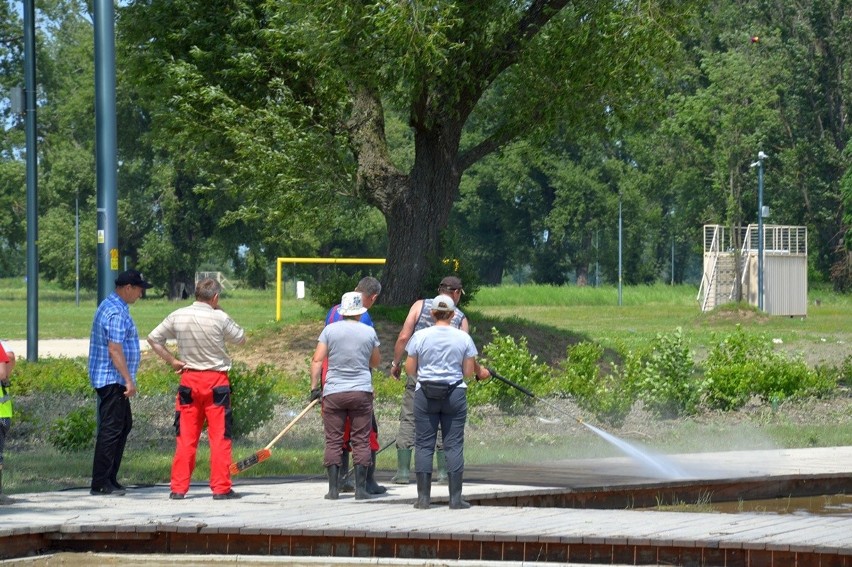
column 424, row 491
column 333, row 478
column 345, row 480
column 403, row 466
column 441, row 459
column 361, row 483
column 456, row 501
column 372, row 486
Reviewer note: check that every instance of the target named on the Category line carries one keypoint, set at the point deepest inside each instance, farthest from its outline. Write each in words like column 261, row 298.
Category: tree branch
column 506, row 51
column 378, row 180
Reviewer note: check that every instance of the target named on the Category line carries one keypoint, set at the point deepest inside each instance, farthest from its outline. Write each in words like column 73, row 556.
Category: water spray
column 658, row 465
column 527, row 392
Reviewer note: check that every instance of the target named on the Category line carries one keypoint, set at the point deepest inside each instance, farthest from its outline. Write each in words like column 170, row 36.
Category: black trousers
column 115, row 421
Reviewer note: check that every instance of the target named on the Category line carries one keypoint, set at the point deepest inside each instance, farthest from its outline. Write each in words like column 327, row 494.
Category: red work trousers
column 203, row 395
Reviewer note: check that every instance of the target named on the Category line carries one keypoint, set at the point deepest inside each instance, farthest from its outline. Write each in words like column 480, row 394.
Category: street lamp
column 619, row 248
column 759, row 163
column 671, row 227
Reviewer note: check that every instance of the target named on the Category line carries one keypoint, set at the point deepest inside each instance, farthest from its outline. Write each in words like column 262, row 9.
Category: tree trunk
column 415, row 222
column 416, row 206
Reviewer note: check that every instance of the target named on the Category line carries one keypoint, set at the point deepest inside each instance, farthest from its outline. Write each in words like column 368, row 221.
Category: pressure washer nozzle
column 579, row 420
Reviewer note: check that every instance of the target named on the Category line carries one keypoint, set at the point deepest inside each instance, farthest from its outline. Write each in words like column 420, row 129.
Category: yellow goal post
column 281, row 261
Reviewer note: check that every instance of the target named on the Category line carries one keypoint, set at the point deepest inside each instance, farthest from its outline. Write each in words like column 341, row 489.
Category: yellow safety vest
column 5, row 402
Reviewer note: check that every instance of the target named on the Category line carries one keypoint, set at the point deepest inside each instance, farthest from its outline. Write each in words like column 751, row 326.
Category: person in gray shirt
column 441, row 357
column 352, row 349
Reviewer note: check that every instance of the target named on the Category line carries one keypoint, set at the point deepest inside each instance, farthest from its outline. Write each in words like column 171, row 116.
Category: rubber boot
column 333, row 478
column 424, row 491
column 372, row 486
column 456, row 501
column 3, row 498
column 361, row 483
column 403, row 466
column 345, row 482
column 441, row 458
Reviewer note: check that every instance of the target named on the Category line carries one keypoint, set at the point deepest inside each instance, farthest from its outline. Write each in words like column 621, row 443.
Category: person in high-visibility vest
column 7, row 363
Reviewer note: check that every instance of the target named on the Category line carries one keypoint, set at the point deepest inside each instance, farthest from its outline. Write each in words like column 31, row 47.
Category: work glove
column 316, row 393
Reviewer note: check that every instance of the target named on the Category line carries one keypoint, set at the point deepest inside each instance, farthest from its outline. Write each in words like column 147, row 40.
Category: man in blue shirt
column 114, row 356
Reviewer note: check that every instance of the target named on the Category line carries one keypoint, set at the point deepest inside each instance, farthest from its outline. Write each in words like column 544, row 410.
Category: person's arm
column 116, row 355
column 411, row 365
column 402, row 339
column 164, row 353
column 320, row 354
column 375, row 358
column 7, row 362
column 10, row 366
column 468, row 367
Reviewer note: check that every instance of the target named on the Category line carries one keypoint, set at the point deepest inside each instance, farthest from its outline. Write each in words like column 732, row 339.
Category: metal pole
column 619, row 248
column 760, row 157
column 105, row 127
column 77, row 249
column 672, row 259
column 32, row 180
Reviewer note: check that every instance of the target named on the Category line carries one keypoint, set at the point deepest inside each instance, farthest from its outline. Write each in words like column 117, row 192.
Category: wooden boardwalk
column 290, row 517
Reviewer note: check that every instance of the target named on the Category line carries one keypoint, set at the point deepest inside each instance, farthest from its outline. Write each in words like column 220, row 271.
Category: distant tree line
column 505, row 136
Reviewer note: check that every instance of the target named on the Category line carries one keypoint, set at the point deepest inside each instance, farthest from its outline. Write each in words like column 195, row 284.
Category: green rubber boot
column 403, row 467
column 441, row 458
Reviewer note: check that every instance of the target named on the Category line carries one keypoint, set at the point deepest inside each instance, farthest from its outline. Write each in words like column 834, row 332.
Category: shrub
column 514, row 361
column 741, row 366
column 60, row 375
column 663, row 377
column 333, row 285
column 606, row 395
column 253, row 398
column 74, row 432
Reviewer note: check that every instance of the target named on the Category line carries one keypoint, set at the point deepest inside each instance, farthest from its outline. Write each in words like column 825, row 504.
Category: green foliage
column 742, row 365
column 513, row 360
column 456, row 261
column 605, row 395
column 253, row 396
column 663, row 377
column 74, row 432
column 334, row 284
column 63, row 375
column 845, row 371
column 731, row 368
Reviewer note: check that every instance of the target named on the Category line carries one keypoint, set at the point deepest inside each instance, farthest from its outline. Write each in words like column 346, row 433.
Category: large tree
column 287, row 99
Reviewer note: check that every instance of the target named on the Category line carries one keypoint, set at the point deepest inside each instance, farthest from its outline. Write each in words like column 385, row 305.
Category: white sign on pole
column 300, row 289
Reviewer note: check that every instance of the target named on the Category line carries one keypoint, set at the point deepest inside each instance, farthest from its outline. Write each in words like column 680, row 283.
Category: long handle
column 292, row 423
column 510, row 383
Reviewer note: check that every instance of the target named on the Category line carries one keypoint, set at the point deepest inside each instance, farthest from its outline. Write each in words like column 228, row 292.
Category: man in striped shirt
column 201, row 330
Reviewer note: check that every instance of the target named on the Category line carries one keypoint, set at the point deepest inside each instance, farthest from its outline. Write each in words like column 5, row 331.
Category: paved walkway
column 292, row 518
column 59, row 348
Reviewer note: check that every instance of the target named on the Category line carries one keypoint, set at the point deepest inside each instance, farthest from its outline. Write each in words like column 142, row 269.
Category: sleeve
column 323, row 338
column 366, row 319
column 162, row 332
column 233, row 332
column 115, row 329
column 413, row 343
column 470, row 348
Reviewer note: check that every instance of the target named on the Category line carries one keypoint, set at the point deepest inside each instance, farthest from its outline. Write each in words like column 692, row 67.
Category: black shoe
column 107, row 491
column 117, row 485
column 177, row 496
column 226, row 496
